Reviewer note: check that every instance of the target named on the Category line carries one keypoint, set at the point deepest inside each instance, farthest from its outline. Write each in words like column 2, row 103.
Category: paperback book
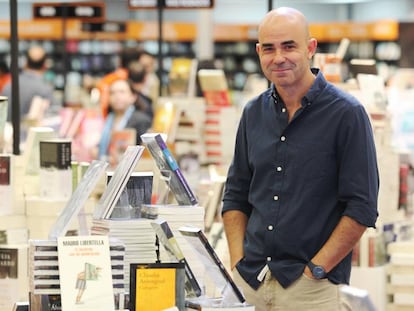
column 157, row 286
column 168, row 240
column 85, row 261
column 78, row 199
column 231, row 294
column 55, row 168
column 118, row 181
column 167, row 165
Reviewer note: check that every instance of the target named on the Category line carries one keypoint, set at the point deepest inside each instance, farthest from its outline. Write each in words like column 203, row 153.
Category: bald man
column 303, row 184
column 31, row 82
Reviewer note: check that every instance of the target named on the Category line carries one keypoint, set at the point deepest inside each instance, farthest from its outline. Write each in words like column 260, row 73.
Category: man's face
column 284, row 50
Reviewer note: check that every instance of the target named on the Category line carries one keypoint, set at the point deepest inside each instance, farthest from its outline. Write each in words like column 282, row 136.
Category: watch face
column 318, row 272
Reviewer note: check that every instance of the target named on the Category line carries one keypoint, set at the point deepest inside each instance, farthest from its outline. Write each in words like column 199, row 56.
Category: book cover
column 85, row 273
column 119, row 142
column 78, row 199
column 182, row 77
column 167, row 164
column 31, row 150
column 6, row 184
column 117, row 184
column 168, row 240
column 55, row 168
column 156, row 286
column 138, row 191
column 13, row 274
column 214, row 266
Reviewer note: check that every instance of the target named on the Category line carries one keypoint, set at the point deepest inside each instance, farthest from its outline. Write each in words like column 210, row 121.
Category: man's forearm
column 346, row 234
column 235, row 223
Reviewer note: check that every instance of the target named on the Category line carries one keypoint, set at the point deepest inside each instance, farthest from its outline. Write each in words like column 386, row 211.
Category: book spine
column 175, row 168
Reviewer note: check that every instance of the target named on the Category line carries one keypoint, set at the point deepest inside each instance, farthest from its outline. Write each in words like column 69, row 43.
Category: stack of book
column 401, row 275
column 137, row 236
column 44, row 267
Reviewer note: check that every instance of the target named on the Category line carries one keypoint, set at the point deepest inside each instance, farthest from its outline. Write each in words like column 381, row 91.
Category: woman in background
column 122, row 116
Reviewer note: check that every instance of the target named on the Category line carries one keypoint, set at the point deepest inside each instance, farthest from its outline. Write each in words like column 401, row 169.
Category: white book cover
column 14, row 280
column 85, row 273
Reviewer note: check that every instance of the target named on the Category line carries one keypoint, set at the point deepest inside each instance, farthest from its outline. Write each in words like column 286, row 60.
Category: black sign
column 112, row 27
column 171, row 4
column 81, row 10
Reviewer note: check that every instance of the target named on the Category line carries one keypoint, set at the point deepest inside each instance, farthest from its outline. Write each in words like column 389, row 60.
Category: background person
column 122, row 115
column 303, row 184
column 31, row 82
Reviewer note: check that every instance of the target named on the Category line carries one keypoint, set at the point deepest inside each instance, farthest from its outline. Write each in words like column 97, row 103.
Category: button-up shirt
column 295, row 179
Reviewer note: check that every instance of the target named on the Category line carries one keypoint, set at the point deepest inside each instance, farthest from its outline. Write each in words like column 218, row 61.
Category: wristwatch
column 318, row 272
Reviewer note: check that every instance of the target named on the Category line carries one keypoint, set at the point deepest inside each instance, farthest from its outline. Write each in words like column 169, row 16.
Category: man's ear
column 312, row 45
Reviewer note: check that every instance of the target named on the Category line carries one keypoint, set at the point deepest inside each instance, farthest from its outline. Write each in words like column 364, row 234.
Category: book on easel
column 168, row 240
column 166, row 162
column 78, row 198
column 119, row 179
column 231, row 294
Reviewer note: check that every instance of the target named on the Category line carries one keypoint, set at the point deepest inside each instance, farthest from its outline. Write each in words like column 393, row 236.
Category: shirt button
column 269, row 258
column 283, row 138
column 283, row 109
column 270, row 227
column 279, row 168
column 275, row 198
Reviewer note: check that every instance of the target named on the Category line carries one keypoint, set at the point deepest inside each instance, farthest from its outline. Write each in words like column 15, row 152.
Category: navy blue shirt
column 295, row 180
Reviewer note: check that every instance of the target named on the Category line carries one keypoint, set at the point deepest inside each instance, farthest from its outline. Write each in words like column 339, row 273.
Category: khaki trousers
column 305, row 294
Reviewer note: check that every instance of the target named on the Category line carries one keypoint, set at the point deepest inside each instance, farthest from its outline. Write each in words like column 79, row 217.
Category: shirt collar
column 316, row 88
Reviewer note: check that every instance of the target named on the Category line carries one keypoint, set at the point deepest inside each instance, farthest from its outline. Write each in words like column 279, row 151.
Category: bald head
column 290, row 17
column 36, row 57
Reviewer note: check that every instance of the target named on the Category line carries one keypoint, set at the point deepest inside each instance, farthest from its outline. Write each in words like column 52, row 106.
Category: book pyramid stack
column 136, row 234
column 44, row 267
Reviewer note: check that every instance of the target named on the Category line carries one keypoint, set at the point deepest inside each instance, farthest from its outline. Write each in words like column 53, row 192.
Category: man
column 32, row 86
column 303, row 184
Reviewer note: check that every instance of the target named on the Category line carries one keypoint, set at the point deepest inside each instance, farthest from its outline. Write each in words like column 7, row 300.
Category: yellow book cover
column 157, row 286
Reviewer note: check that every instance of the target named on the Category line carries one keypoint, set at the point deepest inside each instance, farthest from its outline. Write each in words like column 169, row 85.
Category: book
column 214, row 266
column 167, row 164
column 120, row 140
column 182, row 77
column 14, row 236
column 116, row 185
column 31, row 151
column 78, row 199
column 138, row 191
column 85, row 273
column 156, row 286
column 55, row 168
column 44, row 267
column 13, row 274
column 214, row 86
column 168, row 240
column 6, row 184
